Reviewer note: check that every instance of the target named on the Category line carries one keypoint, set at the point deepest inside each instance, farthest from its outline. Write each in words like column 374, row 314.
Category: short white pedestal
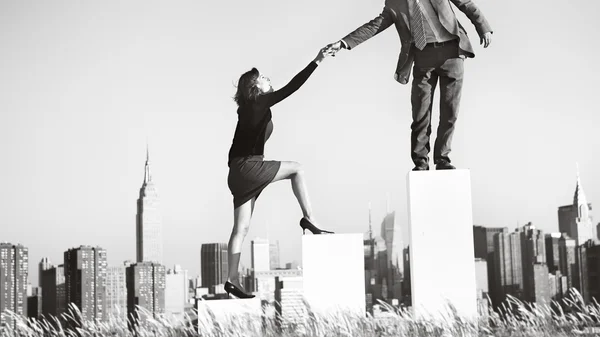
column 225, row 312
column 440, row 230
column 334, row 273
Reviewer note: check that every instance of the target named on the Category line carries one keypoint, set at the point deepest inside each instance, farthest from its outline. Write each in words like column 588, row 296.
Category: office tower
column 568, row 260
column 213, row 265
column 593, row 269
column 54, row 291
column 533, row 252
column 289, row 302
column 176, row 291
column 553, row 252
column 406, row 282
column 44, row 264
column 483, row 241
column 260, row 255
column 116, row 292
column 149, row 238
column 509, row 266
column 14, row 270
column 541, row 287
column 576, row 219
column 85, row 281
column 394, row 268
column 482, row 284
column 34, row 303
column 274, row 256
column 145, row 289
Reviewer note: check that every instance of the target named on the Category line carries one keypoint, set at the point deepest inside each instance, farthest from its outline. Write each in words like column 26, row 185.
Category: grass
column 522, row 320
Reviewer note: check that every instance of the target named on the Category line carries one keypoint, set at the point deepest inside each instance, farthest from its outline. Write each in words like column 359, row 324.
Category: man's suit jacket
column 396, row 12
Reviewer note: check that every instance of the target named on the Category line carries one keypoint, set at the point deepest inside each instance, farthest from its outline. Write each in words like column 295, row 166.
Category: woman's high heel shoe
column 305, row 224
column 231, row 289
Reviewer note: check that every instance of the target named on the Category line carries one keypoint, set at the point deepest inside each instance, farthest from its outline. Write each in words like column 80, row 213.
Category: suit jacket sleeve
column 370, row 29
column 474, row 14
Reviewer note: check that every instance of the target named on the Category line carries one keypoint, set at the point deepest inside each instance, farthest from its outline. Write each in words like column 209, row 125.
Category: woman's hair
column 247, row 91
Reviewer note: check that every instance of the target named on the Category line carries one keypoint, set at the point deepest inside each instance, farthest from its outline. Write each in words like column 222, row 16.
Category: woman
column 249, row 174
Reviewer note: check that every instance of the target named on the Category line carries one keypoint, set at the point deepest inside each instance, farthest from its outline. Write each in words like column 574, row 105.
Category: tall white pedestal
column 333, row 269
column 214, row 312
column 440, row 231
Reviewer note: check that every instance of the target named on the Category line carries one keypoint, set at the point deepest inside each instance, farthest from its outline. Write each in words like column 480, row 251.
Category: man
column 436, row 43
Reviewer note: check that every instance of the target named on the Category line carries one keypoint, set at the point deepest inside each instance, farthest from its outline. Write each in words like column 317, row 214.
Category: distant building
column 265, row 282
column 176, row 292
column 146, row 284
column 553, row 251
column 149, row 237
column 533, row 250
column 116, row 292
column 213, row 265
column 44, row 264
column 289, row 306
column 34, row 303
column 85, row 281
column 593, row 268
column 568, row 260
column 292, row 265
column 483, row 240
column 541, row 287
column 54, row 291
column 260, row 254
column 274, row 255
column 576, row 219
column 481, row 281
column 509, row 266
column 14, row 271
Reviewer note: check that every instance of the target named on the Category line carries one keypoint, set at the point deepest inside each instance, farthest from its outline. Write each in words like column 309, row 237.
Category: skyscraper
column 213, row 265
column 483, row 241
column 85, row 281
column 533, row 253
column 44, row 264
column 568, row 260
column 274, row 255
column 509, row 265
column 394, row 268
column 176, row 290
column 149, row 245
column 54, row 301
column 553, row 252
column 260, row 254
column 14, row 270
column 116, row 292
column 146, row 289
column 576, row 219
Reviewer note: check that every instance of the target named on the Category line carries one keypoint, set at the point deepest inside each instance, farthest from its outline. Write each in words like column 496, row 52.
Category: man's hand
column 333, row 48
column 486, row 38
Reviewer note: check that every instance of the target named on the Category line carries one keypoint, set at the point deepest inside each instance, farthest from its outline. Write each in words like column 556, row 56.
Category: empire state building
column 149, row 245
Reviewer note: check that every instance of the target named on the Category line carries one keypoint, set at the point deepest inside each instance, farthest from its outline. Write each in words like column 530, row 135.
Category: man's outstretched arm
column 364, row 32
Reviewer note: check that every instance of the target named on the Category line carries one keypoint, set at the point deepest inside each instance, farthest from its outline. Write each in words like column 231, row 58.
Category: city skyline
column 579, row 189
column 83, row 88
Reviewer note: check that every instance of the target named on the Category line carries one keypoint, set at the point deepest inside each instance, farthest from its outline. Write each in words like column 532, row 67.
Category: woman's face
column 263, row 83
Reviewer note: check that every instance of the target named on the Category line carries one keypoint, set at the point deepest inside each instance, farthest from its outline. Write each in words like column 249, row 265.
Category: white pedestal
column 442, row 263
column 334, row 273
column 214, row 312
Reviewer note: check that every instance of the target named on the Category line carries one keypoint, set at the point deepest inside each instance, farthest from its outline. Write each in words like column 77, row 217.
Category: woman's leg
column 241, row 224
column 295, row 172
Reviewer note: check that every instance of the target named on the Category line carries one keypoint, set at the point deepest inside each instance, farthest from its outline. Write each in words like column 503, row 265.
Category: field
column 524, row 320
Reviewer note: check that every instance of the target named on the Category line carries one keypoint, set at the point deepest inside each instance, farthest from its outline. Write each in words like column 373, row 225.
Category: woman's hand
column 321, row 55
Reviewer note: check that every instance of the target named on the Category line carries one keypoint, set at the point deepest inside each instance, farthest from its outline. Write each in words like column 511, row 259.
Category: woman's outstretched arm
column 277, row 96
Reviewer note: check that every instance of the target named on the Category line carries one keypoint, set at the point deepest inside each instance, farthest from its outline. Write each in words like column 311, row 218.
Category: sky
column 85, row 85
